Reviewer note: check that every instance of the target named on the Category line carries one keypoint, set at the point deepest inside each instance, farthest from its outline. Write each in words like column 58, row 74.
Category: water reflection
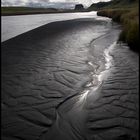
column 16, row 25
column 98, row 78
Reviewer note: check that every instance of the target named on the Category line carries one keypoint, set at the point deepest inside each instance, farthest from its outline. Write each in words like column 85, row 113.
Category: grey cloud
column 44, row 3
column 12, row 2
column 51, row 5
column 47, row 3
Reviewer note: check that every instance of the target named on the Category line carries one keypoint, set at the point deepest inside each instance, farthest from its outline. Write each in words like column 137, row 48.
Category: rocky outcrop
column 79, row 7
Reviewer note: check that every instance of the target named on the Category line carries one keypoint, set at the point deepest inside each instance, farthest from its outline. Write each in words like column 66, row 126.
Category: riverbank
column 13, row 11
column 129, row 18
column 16, row 25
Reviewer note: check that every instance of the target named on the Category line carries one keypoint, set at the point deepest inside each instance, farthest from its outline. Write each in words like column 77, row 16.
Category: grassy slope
column 24, row 10
column 125, row 12
column 7, row 11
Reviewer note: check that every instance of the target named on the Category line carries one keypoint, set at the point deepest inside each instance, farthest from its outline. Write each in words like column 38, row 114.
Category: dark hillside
column 125, row 12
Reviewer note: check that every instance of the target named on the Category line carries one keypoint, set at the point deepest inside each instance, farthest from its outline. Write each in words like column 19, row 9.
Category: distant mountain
column 79, row 7
column 112, row 3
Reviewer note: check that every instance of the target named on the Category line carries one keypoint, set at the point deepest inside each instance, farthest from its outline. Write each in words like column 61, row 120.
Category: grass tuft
column 129, row 18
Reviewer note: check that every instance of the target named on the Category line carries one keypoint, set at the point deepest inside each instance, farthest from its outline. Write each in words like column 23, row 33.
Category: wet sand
column 69, row 80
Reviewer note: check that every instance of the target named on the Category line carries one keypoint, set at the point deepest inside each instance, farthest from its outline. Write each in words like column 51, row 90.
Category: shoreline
column 39, row 27
column 40, row 12
column 130, row 25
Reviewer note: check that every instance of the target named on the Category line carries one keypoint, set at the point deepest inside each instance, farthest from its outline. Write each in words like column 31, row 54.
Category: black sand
column 45, row 70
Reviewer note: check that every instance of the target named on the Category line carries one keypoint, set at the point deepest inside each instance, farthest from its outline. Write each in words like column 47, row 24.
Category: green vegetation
column 125, row 12
column 130, row 33
column 113, row 4
column 25, row 10
column 7, row 11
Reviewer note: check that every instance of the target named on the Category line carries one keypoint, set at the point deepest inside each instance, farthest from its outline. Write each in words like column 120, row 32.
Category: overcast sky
column 49, row 3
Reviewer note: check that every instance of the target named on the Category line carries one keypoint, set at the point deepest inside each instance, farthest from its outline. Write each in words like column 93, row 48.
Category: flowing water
column 16, row 25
